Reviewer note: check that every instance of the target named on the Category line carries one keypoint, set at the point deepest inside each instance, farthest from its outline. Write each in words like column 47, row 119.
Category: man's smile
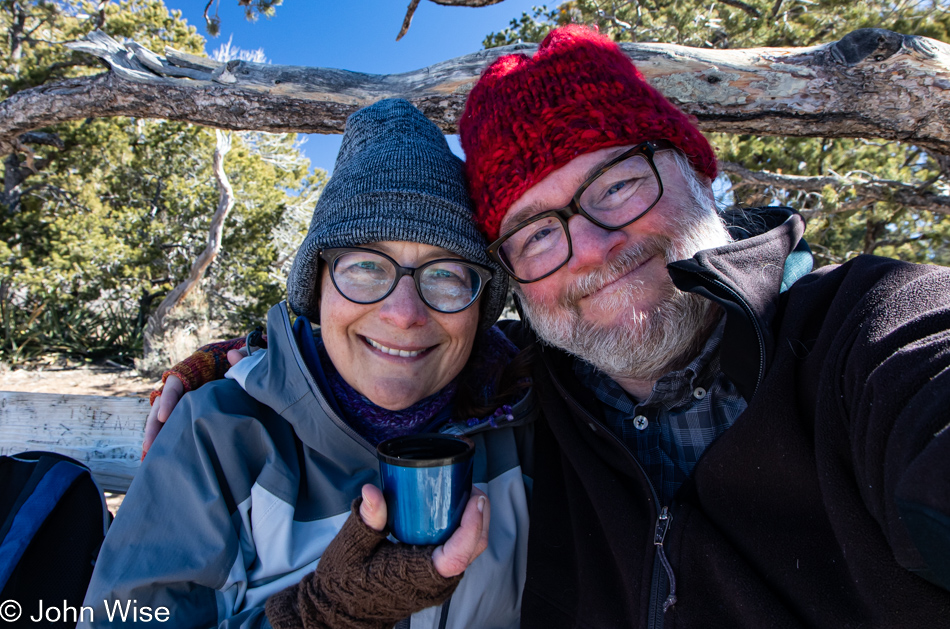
column 610, row 285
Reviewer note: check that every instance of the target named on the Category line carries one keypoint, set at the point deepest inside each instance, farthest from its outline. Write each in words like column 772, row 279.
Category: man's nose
column 591, row 245
column 404, row 307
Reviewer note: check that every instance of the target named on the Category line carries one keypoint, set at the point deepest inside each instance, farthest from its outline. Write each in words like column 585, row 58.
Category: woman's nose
column 403, row 307
column 591, row 245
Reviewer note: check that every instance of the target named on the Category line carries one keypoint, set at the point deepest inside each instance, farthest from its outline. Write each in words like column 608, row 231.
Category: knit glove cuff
column 282, row 610
column 364, row 581
column 209, row 362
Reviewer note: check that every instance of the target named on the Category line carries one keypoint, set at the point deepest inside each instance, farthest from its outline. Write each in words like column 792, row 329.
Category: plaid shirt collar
column 672, row 390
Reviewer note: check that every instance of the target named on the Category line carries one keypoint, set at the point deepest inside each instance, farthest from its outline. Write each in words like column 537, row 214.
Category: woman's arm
column 177, row 542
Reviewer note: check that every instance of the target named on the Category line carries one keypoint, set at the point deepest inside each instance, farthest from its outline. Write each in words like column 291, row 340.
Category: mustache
column 625, row 262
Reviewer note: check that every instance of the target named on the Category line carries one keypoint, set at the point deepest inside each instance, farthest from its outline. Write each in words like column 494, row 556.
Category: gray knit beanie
column 395, row 179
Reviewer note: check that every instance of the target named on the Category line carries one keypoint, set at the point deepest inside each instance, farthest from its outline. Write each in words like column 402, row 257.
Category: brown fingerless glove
column 363, row 581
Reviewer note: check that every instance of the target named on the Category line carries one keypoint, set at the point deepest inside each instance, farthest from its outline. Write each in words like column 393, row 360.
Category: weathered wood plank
column 105, row 433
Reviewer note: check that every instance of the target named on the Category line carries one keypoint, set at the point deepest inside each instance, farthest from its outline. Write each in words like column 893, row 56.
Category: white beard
column 648, row 343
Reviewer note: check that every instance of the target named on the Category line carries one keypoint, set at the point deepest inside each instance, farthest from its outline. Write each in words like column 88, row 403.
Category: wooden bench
column 104, row 433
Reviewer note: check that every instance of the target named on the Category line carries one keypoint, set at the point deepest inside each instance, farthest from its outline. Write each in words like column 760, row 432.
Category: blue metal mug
column 427, row 480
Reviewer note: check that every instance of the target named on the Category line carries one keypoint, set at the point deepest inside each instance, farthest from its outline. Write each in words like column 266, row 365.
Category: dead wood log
column 871, row 83
column 104, row 433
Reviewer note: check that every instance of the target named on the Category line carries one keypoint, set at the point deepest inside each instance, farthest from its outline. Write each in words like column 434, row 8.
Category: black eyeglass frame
column 647, row 149
column 331, row 255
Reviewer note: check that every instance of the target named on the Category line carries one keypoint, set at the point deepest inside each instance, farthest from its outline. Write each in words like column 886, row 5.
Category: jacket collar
column 745, row 278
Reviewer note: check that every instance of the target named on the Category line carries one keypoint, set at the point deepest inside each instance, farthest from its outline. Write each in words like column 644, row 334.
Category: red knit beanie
column 527, row 117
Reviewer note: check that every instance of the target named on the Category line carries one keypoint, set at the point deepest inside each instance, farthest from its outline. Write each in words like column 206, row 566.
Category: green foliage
column 101, row 332
column 99, row 231
column 527, row 28
column 842, row 223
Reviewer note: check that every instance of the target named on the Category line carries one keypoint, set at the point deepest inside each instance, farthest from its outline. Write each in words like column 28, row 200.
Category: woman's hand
column 461, row 549
column 161, row 409
column 165, row 403
column 364, row 581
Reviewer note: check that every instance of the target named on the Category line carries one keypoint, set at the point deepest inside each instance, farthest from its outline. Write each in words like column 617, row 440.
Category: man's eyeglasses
column 365, row 276
column 619, row 193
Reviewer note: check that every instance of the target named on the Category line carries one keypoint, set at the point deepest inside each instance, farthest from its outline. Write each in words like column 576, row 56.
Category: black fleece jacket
column 826, row 504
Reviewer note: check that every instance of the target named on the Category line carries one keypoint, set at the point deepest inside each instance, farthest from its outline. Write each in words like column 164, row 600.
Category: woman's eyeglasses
column 365, row 276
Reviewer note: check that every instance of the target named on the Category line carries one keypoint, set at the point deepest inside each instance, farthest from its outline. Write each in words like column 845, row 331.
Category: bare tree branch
column 100, row 14
column 38, row 137
column 212, row 22
column 413, row 4
column 775, row 9
column 871, row 83
column 867, row 190
column 467, row 3
column 896, row 242
column 742, row 5
column 156, row 321
column 406, row 21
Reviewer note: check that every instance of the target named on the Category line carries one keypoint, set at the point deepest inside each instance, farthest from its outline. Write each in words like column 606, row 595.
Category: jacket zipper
column 444, row 616
column 655, row 619
column 663, row 521
column 755, row 324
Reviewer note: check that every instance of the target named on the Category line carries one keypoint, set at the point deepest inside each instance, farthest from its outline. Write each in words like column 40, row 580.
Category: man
column 731, row 440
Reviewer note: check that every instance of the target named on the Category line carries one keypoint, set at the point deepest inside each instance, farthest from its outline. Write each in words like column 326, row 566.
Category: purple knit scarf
column 376, row 423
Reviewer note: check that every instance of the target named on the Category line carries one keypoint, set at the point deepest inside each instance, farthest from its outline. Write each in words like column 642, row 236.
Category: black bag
column 54, row 518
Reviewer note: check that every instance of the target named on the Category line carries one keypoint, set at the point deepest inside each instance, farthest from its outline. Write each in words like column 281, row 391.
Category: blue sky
column 358, row 35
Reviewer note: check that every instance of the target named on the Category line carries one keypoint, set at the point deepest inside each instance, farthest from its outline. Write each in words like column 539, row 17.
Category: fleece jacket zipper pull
column 662, row 525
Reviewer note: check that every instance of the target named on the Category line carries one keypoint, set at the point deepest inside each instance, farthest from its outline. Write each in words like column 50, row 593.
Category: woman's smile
column 392, row 349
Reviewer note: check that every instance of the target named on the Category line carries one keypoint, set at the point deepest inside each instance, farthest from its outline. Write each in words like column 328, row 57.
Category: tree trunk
column 871, row 83
column 155, row 329
column 6, row 311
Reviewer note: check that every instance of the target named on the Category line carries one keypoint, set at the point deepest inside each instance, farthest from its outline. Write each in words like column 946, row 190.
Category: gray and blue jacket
column 248, row 482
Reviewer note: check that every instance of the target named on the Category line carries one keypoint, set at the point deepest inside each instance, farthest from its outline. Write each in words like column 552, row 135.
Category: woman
column 253, row 476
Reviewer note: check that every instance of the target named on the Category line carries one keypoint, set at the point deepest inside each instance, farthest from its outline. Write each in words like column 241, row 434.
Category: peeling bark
column 871, row 83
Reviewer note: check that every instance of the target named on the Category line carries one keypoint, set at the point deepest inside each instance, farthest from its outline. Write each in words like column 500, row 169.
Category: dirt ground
column 78, row 380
